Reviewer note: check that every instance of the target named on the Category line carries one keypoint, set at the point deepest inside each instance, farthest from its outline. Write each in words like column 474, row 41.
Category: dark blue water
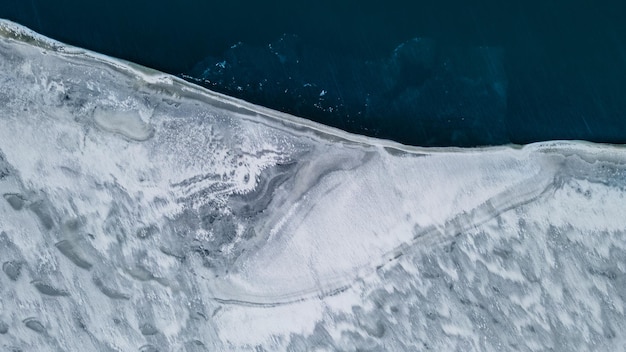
column 432, row 73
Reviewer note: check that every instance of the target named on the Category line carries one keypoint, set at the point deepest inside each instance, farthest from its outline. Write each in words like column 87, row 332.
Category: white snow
column 343, row 225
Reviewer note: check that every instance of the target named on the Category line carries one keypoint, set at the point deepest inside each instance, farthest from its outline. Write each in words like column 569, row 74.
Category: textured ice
column 142, row 213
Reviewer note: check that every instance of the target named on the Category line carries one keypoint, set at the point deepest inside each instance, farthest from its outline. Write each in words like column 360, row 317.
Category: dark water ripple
column 459, row 73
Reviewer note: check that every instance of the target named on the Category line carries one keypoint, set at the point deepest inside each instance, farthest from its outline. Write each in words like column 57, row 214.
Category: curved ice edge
column 518, row 195
column 554, row 172
column 181, row 89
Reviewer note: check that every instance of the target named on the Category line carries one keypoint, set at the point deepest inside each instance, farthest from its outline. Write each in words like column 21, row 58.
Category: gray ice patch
column 48, row 289
column 41, row 209
column 147, row 231
column 148, row 329
column 256, row 201
column 4, row 328
column 35, row 325
column 16, row 201
column 108, row 291
column 12, row 269
column 127, row 123
column 68, row 249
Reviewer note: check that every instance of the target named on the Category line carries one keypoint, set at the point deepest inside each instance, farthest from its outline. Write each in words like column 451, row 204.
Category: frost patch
column 127, row 123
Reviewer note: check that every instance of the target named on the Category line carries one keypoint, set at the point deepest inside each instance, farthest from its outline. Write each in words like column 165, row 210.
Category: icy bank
column 140, row 212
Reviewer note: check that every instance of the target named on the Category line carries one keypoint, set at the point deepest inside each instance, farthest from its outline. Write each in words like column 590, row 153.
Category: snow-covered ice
column 142, row 213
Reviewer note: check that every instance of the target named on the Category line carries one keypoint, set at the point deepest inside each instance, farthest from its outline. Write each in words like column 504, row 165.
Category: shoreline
column 181, row 89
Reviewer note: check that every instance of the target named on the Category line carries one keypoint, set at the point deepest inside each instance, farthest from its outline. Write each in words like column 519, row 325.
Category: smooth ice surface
column 141, row 213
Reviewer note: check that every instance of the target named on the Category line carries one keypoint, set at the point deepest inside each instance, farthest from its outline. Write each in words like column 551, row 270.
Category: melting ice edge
column 142, row 213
